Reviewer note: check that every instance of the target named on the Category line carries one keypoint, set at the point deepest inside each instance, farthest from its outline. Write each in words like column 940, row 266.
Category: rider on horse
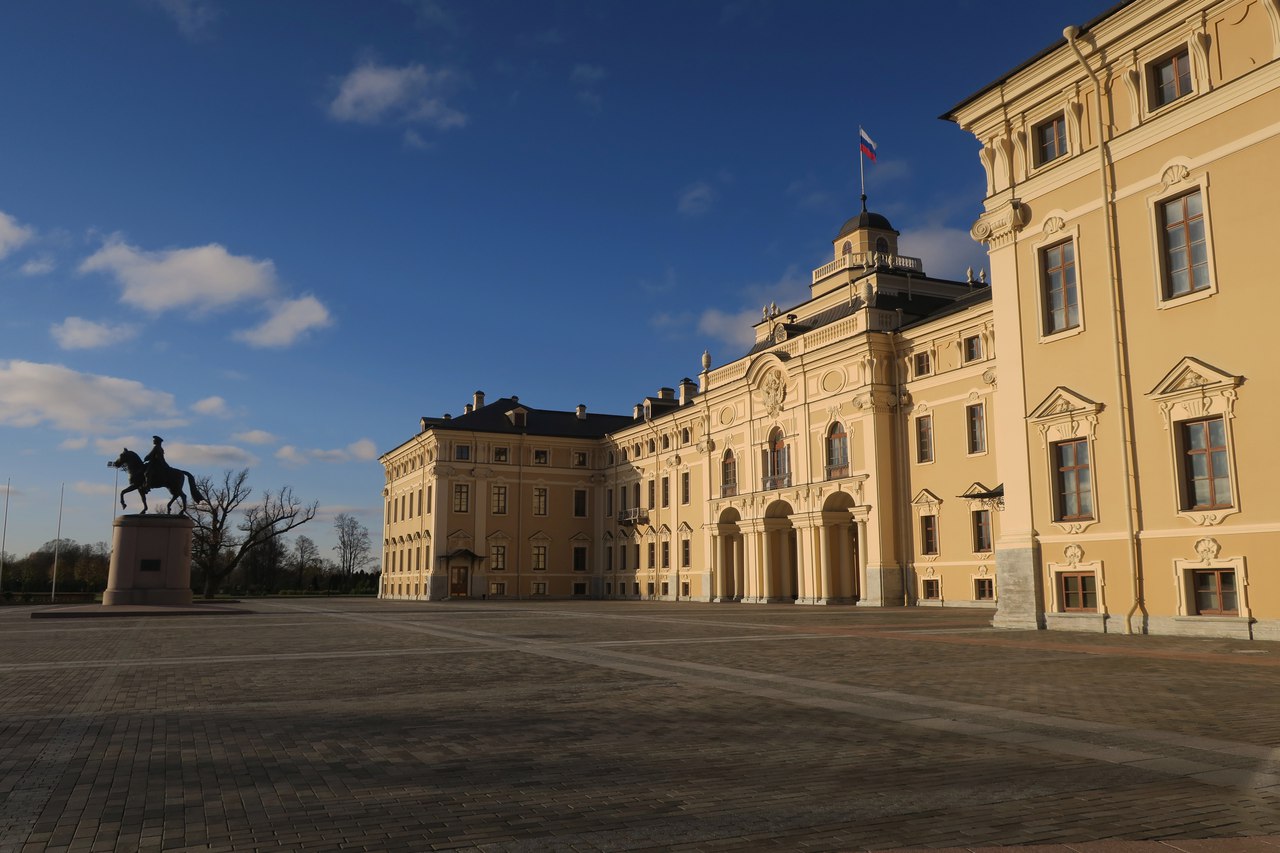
column 156, row 468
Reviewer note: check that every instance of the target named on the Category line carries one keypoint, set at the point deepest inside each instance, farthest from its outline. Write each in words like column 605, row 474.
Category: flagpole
column 57, row 541
column 862, row 177
column 4, row 532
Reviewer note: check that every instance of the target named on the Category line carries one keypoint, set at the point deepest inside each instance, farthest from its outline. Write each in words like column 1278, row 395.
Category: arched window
column 847, row 248
column 837, row 452
column 728, row 475
column 635, row 451
column 882, row 245
column 777, row 461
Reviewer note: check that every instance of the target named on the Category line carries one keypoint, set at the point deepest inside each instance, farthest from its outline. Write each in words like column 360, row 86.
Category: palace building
column 1104, row 464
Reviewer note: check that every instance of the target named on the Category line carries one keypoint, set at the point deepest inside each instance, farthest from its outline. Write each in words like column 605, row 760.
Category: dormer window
column 519, row 418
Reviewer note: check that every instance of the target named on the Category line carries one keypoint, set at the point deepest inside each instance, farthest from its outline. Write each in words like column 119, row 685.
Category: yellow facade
column 792, row 474
column 1143, row 206
column 851, row 455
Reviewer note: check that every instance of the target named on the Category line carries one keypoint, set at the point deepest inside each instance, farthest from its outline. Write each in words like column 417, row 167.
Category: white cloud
column 85, row 488
column 193, row 17
column 78, row 333
column 364, row 449
column 735, row 328
column 189, row 456
column 112, row 446
column 74, row 443
column 34, row 394
column 290, row 455
column 289, row 321
column 377, row 94
column 37, row 266
column 946, row 252
column 414, row 140
column 361, row 450
column 12, row 235
column 200, row 278
column 255, row 436
column 213, row 406
column 696, row 199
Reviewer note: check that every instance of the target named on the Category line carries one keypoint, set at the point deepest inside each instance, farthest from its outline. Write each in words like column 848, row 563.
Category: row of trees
column 239, row 547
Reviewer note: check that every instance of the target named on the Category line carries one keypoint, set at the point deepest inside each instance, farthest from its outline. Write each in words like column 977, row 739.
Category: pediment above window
column 926, row 502
column 1062, row 402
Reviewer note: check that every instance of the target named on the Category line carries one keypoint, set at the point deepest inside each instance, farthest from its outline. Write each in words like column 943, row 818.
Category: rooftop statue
column 153, row 472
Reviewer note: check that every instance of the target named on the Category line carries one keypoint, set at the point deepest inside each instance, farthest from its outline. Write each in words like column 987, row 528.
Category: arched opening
column 839, row 569
column 728, row 474
column 777, row 461
column 837, row 452
column 882, row 245
column 730, row 557
column 781, row 575
column 847, row 248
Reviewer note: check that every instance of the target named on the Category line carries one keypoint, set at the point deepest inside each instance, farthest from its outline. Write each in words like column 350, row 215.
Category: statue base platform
column 150, row 561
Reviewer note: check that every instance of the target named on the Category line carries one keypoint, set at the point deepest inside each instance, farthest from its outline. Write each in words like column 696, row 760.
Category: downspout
column 1124, row 389
column 904, row 438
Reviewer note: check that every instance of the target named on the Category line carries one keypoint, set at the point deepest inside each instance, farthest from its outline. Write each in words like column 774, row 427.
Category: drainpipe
column 1124, row 388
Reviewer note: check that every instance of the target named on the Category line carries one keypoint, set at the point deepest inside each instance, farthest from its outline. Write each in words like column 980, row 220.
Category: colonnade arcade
column 786, row 556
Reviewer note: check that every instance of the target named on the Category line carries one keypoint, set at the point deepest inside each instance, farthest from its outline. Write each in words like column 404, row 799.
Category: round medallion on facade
column 833, row 381
column 726, row 415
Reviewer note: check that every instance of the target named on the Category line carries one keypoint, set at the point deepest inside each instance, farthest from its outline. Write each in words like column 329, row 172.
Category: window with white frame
column 1184, row 250
column 1060, row 297
column 539, row 500
column 924, row 439
column 497, row 558
column 1170, row 78
column 1050, row 139
column 498, row 500
column 461, row 497
column 975, row 417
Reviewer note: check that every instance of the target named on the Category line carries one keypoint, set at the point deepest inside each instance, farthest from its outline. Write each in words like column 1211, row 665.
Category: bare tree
column 353, row 543
column 220, row 544
column 306, row 557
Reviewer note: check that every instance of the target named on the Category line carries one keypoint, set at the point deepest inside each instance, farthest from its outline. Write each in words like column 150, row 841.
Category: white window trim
column 1065, row 416
column 1199, row 83
column 927, row 503
column 1053, row 233
column 984, row 574
column 1207, row 550
column 920, row 412
column 931, row 574
column 1178, row 180
column 1073, row 562
column 1033, row 146
column 1194, row 391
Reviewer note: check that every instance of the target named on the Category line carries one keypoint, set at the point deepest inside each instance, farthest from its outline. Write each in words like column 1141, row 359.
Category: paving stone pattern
column 366, row 725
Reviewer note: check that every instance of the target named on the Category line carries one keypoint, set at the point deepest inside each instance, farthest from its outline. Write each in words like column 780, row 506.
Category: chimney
column 478, row 399
column 666, row 393
column 448, row 417
column 687, row 389
column 466, row 410
column 637, row 412
column 515, row 399
column 581, row 412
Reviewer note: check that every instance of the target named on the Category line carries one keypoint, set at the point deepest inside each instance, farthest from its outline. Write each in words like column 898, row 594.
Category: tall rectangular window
column 1206, row 477
column 666, row 555
column 497, row 558
column 579, row 558
column 428, row 500
column 608, row 558
column 579, row 503
column 1051, row 139
column 1170, row 78
column 923, row 364
column 666, row 491
column 653, row 491
column 539, row 557
column 981, row 531
column 1074, row 480
column 684, row 487
column 924, row 438
column 1186, row 255
column 928, row 534
column 461, row 497
column 1061, row 299
column 653, row 551
column 539, row 500
column 1078, row 590
column 1215, row 591
column 975, row 417
column 686, row 551
column 608, row 503
column 498, row 500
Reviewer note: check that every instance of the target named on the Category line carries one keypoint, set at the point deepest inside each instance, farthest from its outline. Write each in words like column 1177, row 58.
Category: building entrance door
column 458, row 586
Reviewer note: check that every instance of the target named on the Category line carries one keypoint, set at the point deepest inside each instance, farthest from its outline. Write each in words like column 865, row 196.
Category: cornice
column 999, row 226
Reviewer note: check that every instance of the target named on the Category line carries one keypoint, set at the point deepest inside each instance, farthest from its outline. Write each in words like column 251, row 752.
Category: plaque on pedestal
column 150, row 560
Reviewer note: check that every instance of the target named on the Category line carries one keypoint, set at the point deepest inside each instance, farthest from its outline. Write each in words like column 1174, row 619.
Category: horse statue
column 163, row 478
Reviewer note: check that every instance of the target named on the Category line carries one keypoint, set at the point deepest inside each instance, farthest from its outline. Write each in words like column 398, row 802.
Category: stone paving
column 349, row 724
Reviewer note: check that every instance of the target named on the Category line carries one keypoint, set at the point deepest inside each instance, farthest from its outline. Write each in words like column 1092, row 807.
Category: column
column 739, row 566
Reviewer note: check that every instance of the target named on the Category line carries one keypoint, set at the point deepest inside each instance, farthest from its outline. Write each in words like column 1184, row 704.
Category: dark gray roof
column 548, row 422
column 865, row 219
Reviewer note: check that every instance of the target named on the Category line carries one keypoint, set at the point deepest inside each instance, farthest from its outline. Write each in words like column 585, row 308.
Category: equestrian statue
column 153, row 472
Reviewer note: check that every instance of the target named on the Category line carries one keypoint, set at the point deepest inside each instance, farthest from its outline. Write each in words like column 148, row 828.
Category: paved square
column 361, row 724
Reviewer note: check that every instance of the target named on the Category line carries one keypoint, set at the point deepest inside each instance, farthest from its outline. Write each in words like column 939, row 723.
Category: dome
column 865, row 219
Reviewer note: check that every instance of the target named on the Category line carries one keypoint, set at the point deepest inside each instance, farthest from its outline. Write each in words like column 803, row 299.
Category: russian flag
column 866, row 144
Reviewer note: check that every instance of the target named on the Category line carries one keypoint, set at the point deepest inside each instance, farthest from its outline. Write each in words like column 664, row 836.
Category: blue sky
column 278, row 233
